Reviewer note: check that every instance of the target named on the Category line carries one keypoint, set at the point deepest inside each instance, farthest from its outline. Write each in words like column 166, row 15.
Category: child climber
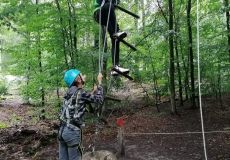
column 72, row 112
column 105, row 11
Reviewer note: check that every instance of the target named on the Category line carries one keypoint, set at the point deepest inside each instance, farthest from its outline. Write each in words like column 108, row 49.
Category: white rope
column 101, row 56
column 107, row 23
column 174, row 133
column 115, row 49
column 199, row 84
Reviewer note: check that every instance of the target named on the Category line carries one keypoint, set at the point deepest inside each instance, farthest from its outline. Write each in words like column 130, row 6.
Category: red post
column 121, row 147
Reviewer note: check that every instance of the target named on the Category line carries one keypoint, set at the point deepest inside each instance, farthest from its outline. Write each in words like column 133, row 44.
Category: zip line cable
column 199, row 84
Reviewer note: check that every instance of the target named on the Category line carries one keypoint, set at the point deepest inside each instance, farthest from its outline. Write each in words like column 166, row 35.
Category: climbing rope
column 101, row 56
column 114, row 55
column 101, row 59
column 100, row 35
column 199, row 84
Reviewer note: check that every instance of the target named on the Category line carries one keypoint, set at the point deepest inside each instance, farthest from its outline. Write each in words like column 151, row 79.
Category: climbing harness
column 71, row 106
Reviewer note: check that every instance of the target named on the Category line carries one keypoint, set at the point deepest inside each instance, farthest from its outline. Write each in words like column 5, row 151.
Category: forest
column 176, row 107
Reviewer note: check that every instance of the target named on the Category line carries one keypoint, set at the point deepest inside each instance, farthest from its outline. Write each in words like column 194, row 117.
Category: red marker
column 120, row 122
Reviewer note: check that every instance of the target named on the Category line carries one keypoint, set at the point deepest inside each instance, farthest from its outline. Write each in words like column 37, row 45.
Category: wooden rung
column 126, row 11
column 128, row 44
column 109, row 97
column 123, row 74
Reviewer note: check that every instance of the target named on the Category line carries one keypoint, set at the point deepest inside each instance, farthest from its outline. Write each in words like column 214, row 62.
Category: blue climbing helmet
column 70, row 76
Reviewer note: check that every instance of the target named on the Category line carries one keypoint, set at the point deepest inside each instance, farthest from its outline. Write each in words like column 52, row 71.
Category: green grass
column 3, row 125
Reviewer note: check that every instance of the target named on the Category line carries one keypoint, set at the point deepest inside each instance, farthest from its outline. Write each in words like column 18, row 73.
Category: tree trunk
column 74, row 21
column 226, row 5
column 219, row 87
column 40, row 61
column 157, row 95
column 179, row 74
column 1, row 49
column 63, row 31
column 171, row 61
column 155, row 85
column 143, row 14
column 136, row 11
column 191, row 63
column 159, row 4
column 104, row 65
column 185, row 67
column 58, row 81
column 71, row 35
column 177, row 30
column 28, row 68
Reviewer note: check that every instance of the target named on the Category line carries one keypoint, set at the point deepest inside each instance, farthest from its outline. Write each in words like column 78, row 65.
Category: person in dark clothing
column 72, row 113
column 106, row 9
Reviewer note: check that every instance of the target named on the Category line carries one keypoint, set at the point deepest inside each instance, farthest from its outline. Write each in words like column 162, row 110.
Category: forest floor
column 149, row 135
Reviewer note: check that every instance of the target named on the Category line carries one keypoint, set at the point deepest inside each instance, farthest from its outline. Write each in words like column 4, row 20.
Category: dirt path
column 39, row 141
column 187, row 146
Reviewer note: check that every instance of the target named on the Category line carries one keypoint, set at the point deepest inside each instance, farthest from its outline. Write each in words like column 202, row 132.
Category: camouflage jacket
column 74, row 104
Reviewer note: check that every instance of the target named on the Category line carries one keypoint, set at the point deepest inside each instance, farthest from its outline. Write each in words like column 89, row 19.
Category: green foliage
column 38, row 41
column 3, row 125
column 3, row 88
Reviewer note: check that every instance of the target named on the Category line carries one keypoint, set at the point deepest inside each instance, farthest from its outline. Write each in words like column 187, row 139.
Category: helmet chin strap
column 83, row 82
